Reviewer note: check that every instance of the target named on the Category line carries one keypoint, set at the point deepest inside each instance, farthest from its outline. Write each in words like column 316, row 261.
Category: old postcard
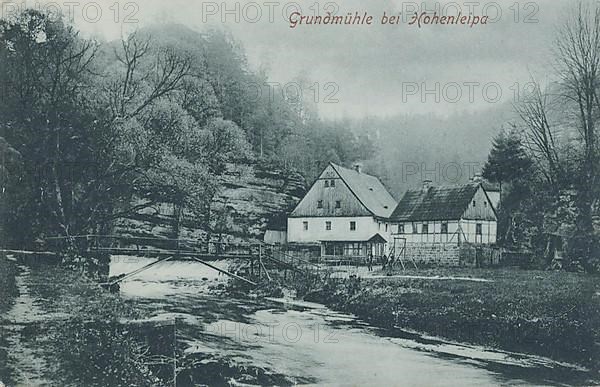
column 278, row 193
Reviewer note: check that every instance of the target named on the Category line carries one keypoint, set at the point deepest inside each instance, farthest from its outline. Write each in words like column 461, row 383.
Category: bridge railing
column 278, row 253
column 140, row 245
column 92, row 242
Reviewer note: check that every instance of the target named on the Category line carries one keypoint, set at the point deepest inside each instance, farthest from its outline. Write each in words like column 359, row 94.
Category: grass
column 87, row 343
column 554, row 314
column 82, row 338
column 8, row 287
column 8, row 294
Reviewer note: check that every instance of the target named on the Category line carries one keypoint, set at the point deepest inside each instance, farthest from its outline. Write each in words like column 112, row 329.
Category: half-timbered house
column 446, row 214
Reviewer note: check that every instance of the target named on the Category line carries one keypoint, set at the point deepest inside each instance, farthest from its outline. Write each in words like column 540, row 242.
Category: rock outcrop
column 251, row 198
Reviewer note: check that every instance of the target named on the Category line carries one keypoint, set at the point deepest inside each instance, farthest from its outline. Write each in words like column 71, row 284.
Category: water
column 278, row 341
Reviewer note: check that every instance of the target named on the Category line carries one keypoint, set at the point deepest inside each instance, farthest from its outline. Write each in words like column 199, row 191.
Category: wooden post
column 175, row 351
column 266, row 272
column 260, row 264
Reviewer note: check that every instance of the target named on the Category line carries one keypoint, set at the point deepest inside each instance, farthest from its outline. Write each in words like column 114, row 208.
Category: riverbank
column 60, row 328
column 63, row 329
column 546, row 313
column 8, row 294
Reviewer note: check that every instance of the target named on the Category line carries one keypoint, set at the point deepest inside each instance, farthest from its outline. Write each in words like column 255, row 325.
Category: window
column 305, row 226
column 320, row 204
column 425, row 228
column 386, row 227
column 414, row 228
column 329, row 248
column 444, row 229
column 474, row 203
column 334, row 248
column 485, row 204
column 332, row 183
column 478, row 228
column 338, row 204
column 326, row 183
column 352, row 226
column 352, row 249
column 328, row 226
column 400, row 229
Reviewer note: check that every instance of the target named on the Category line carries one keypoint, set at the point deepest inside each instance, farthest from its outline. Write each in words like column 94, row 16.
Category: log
column 26, row 252
column 224, row 271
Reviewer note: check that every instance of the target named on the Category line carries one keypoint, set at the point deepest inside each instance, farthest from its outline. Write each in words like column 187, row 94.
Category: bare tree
column 539, row 134
column 164, row 75
column 148, row 74
column 578, row 52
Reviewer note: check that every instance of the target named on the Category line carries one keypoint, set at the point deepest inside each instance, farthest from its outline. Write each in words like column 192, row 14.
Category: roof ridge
column 352, row 170
column 358, row 182
column 350, row 188
column 470, row 183
column 440, row 202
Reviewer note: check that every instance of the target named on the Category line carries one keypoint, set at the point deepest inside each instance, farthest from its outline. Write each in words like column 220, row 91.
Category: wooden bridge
column 259, row 256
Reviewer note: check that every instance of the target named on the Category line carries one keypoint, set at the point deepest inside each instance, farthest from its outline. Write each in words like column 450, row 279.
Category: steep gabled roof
column 490, row 187
column 368, row 190
column 437, row 203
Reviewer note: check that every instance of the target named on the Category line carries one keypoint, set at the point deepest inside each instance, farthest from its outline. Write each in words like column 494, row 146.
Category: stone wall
column 434, row 254
column 442, row 254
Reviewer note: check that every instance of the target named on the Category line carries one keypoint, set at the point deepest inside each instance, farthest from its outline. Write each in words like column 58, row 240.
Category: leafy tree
column 510, row 167
column 104, row 131
column 507, row 161
column 46, row 71
column 11, row 192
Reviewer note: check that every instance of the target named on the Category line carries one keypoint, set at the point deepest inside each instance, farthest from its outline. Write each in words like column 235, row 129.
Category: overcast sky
column 369, row 69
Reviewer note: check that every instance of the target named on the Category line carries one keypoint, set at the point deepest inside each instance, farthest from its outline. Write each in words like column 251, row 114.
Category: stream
column 283, row 341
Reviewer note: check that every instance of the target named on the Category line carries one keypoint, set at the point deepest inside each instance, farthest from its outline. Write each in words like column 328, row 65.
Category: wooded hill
column 93, row 132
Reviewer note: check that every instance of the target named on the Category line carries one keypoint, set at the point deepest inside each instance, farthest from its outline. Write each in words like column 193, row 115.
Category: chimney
column 357, row 167
column 426, row 185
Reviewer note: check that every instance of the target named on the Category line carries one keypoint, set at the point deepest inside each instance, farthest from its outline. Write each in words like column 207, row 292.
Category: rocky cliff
column 251, row 199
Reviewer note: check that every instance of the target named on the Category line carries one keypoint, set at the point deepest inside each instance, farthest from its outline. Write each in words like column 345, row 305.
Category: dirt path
column 24, row 357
